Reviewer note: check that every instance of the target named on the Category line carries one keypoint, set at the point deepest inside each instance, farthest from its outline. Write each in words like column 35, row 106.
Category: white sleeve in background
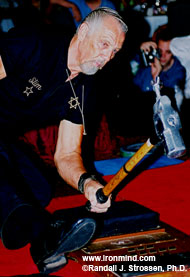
column 180, row 48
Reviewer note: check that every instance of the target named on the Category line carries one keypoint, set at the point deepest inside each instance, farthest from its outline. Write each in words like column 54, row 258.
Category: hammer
column 167, row 129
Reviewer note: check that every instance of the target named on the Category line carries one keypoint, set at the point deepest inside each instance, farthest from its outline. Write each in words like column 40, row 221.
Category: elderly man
column 44, row 79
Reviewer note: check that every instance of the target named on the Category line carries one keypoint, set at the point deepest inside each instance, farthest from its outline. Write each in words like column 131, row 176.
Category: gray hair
column 98, row 14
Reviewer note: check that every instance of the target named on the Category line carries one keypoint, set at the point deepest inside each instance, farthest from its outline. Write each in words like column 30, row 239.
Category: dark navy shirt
column 34, row 93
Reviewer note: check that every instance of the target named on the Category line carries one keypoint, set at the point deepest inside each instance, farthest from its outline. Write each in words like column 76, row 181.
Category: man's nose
column 163, row 55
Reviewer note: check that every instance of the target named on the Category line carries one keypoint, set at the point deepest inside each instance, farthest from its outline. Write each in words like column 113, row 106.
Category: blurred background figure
column 81, row 8
column 9, row 13
column 14, row 13
column 6, row 15
column 62, row 14
column 180, row 47
column 158, row 60
column 180, row 30
column 86, row 6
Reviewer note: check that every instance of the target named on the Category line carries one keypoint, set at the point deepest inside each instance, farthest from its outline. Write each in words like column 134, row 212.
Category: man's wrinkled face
column 166, row 54
column 99, row 45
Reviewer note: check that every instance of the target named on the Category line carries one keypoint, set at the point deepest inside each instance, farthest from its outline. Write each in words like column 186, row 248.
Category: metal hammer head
column 168, row 125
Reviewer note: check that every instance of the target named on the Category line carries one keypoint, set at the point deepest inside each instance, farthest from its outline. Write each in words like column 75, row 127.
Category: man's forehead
column 111, row 21
column 110, row 27
column 164, row 42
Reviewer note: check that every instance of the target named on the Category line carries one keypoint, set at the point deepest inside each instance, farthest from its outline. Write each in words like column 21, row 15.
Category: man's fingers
column 91, row 189
column 146, row 45
column 100, row 208
column 95, row 210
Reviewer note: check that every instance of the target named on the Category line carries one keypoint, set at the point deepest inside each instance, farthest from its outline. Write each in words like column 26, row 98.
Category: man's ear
column 83, row 30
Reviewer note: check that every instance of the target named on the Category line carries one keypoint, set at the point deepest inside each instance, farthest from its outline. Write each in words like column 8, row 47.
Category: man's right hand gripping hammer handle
column 102, row 194
column 101, row 198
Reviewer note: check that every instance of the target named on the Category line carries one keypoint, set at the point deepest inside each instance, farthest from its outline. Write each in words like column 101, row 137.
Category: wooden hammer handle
column 128, row 166
column 103, row 193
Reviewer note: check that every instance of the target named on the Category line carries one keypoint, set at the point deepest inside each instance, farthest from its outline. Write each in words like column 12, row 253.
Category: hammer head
column 168, row 125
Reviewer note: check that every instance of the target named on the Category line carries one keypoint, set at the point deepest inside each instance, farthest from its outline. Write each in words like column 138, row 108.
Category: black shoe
column 23, row 225
column 48, row 252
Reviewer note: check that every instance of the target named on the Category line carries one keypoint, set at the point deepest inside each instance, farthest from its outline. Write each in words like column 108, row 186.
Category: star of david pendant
column 73, row 102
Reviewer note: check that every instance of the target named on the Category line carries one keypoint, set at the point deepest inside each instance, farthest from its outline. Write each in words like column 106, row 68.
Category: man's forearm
column 66, row 4
column 70, row 167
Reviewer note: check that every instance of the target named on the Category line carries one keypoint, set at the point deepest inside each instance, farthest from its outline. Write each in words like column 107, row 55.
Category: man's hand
column 146, row 46
column 90, row 189
column 156, row 68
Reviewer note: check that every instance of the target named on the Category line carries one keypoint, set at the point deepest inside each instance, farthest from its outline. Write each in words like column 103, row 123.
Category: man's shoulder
column 19, row 41
column 30, row 45
column 16, row 33
column 40, row 31
column 22, row 35
column 177, row 64
column 177, row 70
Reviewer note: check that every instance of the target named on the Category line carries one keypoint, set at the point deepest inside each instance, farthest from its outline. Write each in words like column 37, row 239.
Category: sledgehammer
column 167, row 130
